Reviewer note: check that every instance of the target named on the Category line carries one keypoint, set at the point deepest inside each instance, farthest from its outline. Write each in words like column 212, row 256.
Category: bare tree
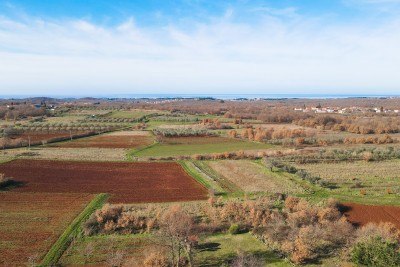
column 247, row 260
column 116, row 258
column 175, row 229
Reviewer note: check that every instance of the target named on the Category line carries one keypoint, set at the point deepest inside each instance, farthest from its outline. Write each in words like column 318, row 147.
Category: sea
column 214, row 96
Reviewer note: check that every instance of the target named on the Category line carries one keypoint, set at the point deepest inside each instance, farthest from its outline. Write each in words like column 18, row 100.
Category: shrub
column 376, row 251
column 4, row 181
column 155, row 259
column 234, row 229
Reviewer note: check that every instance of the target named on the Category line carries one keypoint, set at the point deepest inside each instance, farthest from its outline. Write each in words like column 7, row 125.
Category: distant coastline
column 205, row 96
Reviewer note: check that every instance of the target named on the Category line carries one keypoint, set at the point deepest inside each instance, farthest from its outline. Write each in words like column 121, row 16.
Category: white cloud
column 273, row 55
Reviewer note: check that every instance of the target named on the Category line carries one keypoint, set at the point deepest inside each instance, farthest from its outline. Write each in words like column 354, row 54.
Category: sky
column 98, row 47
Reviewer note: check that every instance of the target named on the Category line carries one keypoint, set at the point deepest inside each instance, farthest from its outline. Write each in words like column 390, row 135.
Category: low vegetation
column 268, row 168
column 252, row 177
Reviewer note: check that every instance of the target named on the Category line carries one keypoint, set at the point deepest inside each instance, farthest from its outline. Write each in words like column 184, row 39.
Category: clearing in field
column 175, row 146
column 369, row 178
column 360, row 214
column 31, row 222
column 220, row 249
column 214, row 250
column 125, row 139
column 253, row 177
column 125, row 182
column 133, row 246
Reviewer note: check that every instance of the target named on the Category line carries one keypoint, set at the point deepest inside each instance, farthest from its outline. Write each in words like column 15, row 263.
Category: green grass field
column 132, row 114
column 217, row 250
column 132, row 246
column 212, row 145
column 360, row 178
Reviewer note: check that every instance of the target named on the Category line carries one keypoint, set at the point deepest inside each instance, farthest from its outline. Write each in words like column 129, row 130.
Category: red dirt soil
column 31, row 222
column 109, row 141
column 360, row 214
column 125, row 182
column 38, row 137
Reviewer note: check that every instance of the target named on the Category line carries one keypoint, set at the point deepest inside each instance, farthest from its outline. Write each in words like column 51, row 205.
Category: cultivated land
column 135, row 246
column 125, row 182
column 74, row 154
column 38, row 138
column 361, row 215
column 132, row 114
column 133, row 139
column 31, row 222
column 378, row 178
column 243, row 165
column 252, row 177
column 175, row 146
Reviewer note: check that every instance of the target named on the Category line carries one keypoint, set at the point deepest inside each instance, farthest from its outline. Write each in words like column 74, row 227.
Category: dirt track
column 125, row 182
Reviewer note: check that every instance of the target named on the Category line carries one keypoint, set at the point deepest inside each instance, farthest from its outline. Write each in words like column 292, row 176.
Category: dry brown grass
column 374, row 177
column 252, row 177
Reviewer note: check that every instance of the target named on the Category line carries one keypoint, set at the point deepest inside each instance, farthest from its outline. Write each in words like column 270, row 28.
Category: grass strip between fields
column 58, row 248
column 227, row 185
column 194, row 174
column 132, row 152
column 5, row 160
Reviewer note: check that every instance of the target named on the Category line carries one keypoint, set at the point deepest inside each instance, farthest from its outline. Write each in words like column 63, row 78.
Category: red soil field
column 38, row 137
column 125, row 182
column 109, row 141
column 360, row 214
column 31, row 222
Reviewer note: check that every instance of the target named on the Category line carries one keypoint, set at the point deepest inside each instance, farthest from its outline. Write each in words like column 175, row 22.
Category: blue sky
column 71, row 47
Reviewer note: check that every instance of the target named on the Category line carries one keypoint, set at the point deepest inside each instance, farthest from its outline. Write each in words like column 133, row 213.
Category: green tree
column 376, row 252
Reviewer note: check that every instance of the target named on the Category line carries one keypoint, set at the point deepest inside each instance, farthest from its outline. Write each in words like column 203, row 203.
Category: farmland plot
column 374, row 178
column 125, row 139
column 125, row 182
column 360, row 214
column 61, row 153
column 252, row 177
column 134, row 246
column 175, row 146
column 31, row 222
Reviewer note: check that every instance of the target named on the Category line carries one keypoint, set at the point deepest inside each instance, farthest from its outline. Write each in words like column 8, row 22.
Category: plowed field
column 125, row 182
column 110, row 141
column 360, row 214
column 31, row 222
column 39, row 137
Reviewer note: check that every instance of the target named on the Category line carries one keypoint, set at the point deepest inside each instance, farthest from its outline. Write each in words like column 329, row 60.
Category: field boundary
column 62, row 243
column 198, row 175
column 131, row 153
column 227, row 185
